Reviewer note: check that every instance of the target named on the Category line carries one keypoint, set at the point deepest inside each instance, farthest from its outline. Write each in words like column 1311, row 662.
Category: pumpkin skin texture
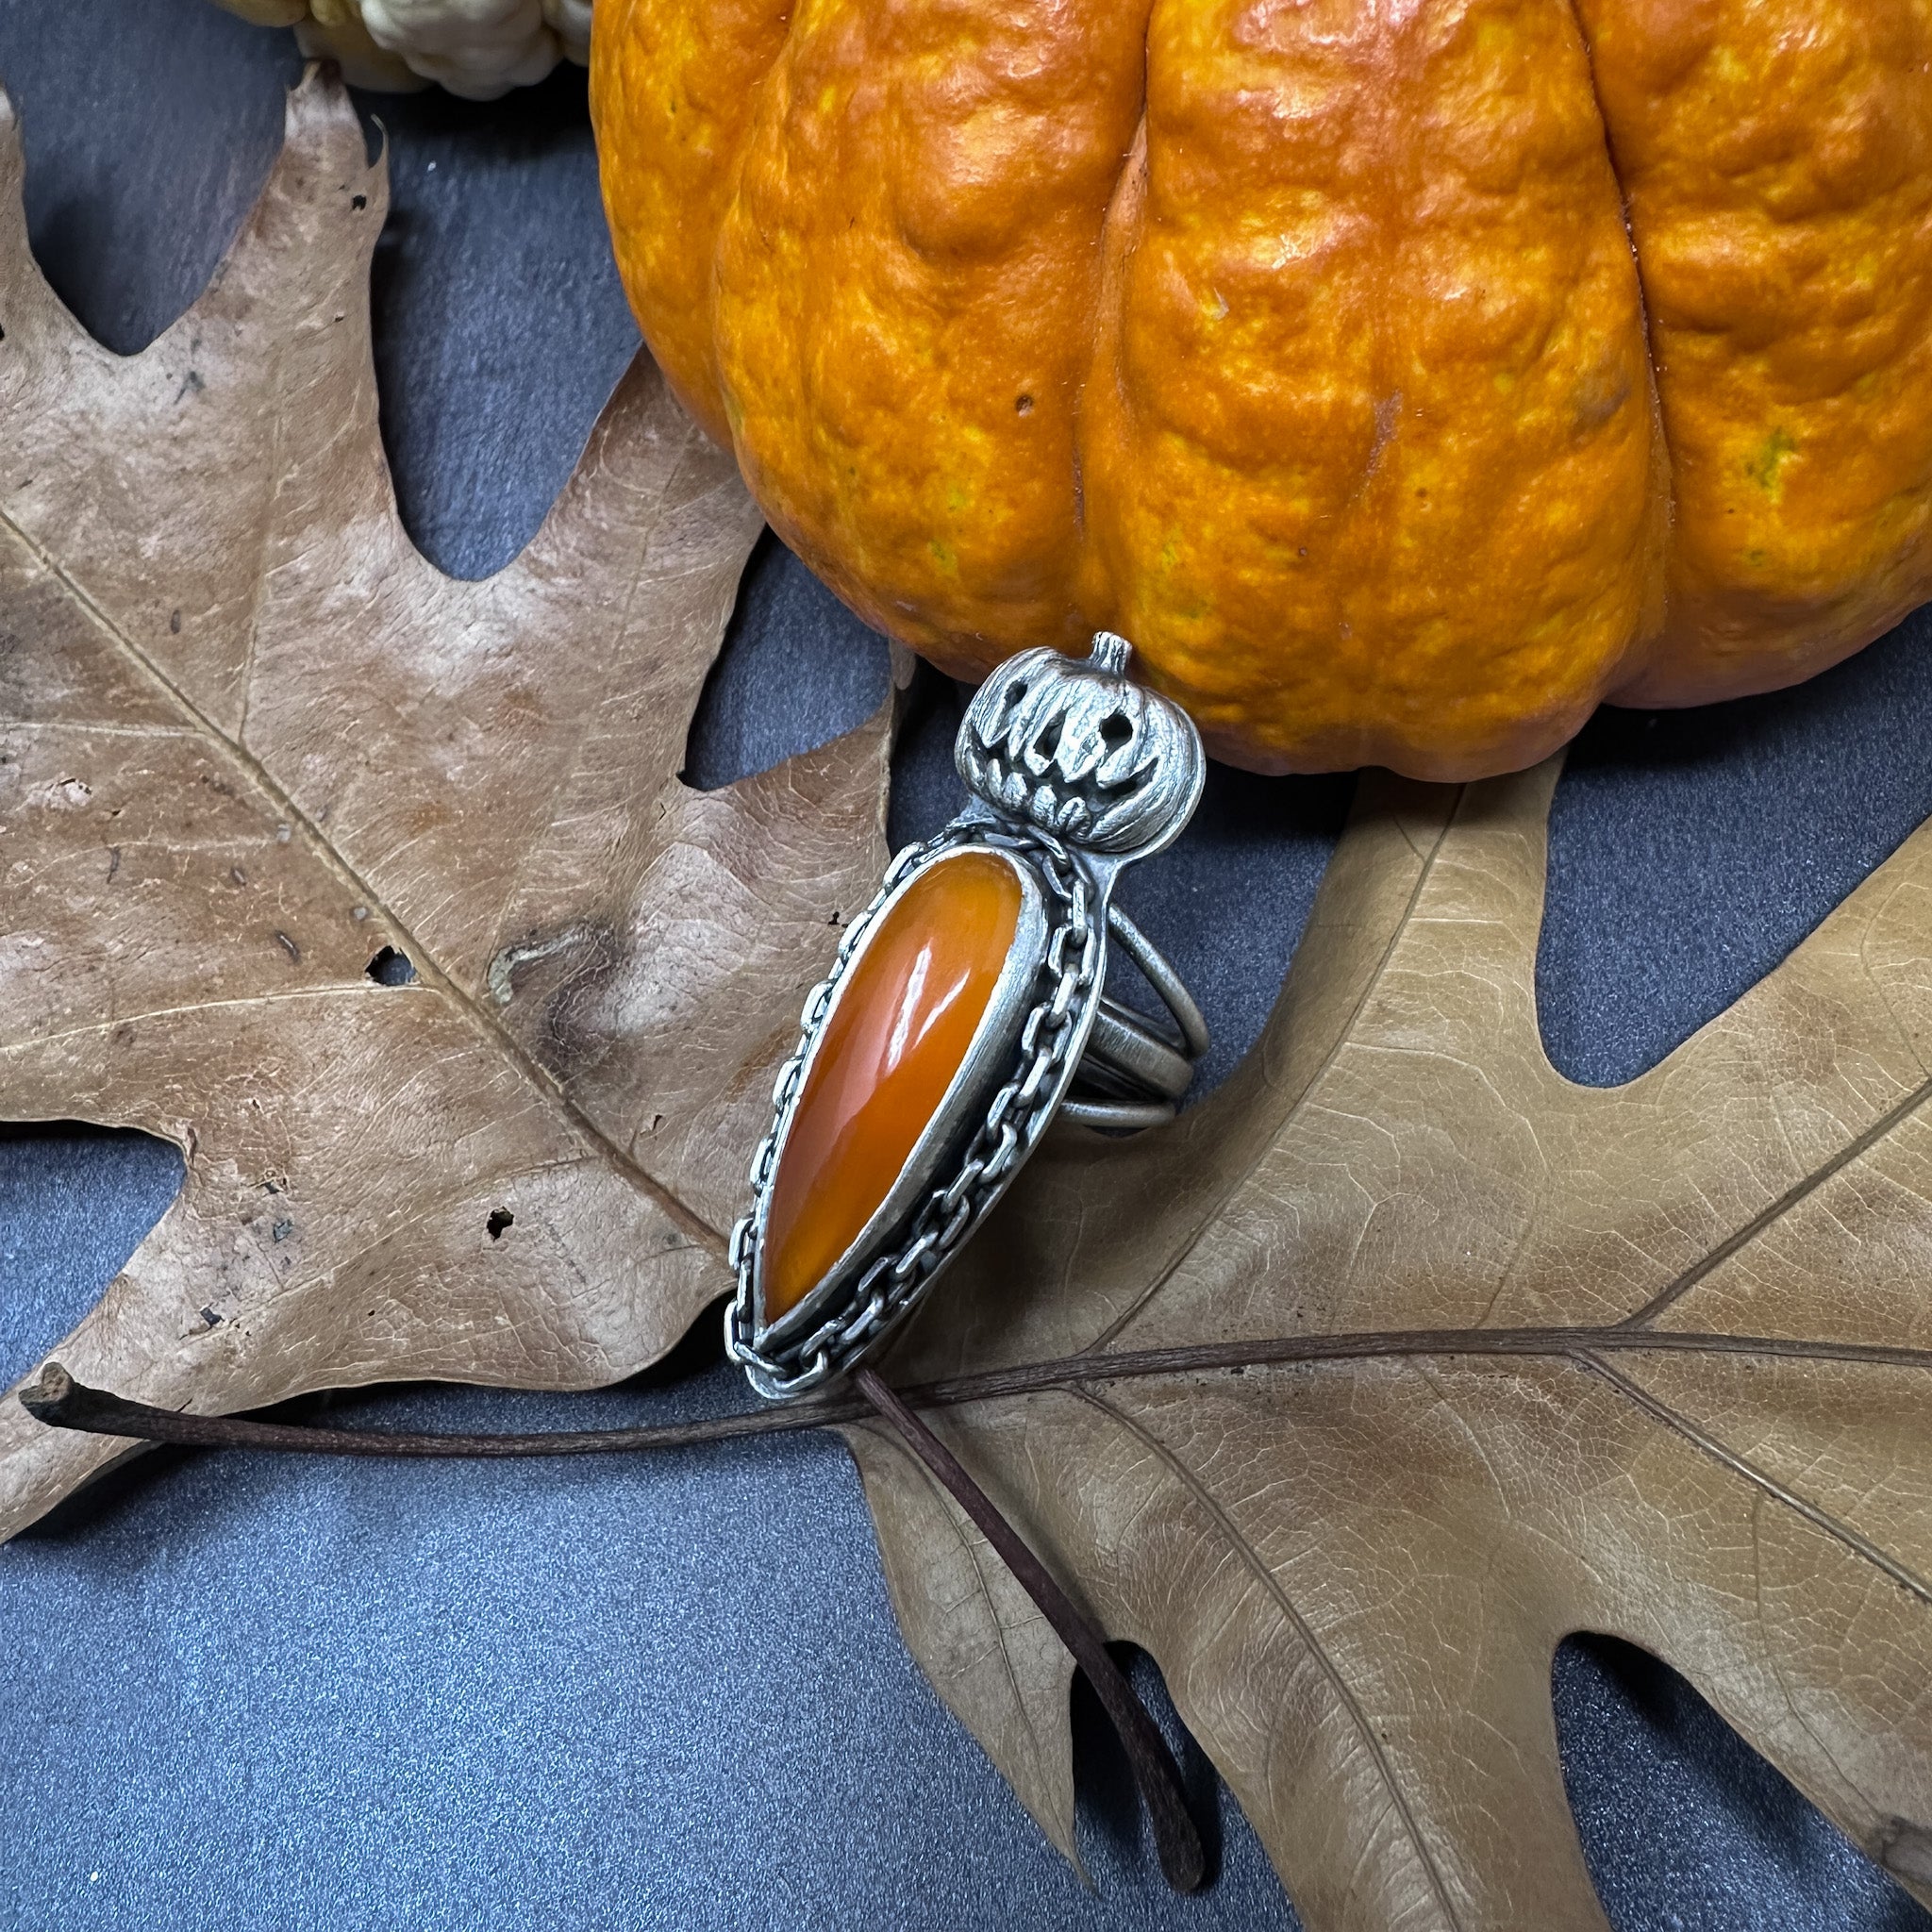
column 1777, row 157
column 1402, row 378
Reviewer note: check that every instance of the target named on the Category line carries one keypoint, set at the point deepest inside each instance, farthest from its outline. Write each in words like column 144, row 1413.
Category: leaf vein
column 1669, row 1418
column 1769, row 1216
column 429, row 969
column 1343, row 1037
column 1250, row 1560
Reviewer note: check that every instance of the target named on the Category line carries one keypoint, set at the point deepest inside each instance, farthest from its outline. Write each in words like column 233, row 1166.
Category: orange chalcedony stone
column 904, row 1022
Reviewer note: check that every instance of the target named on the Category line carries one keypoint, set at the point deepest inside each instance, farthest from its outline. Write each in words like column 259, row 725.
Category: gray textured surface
column 269, row 1692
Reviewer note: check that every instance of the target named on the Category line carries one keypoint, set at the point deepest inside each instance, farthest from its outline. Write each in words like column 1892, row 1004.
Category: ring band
column 967, row 1009
column 1128, row 1053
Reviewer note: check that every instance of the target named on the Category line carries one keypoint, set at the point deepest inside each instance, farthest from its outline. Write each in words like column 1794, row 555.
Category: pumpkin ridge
column 905, row 285
column 1401, row 379
column 1095, row 599
column 1650, row 631
column 1095, row 588
column 1780, row 194
column 678, row 83
column 1309, row 322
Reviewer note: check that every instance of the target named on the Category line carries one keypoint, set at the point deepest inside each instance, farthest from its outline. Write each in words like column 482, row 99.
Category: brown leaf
column 1402, row 1357
column 1348, row 1397
column 249, row 738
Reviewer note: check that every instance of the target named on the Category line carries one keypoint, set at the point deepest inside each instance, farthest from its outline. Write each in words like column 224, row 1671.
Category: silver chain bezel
column 1051, row 1037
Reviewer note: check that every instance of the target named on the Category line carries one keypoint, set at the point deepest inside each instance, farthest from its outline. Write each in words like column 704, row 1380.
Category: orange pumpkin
column 1403, row 377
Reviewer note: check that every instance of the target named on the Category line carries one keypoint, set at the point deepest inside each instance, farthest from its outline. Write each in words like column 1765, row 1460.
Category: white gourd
column 476, row 48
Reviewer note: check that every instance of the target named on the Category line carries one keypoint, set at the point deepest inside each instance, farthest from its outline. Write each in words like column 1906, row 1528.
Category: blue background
column 269, row 1691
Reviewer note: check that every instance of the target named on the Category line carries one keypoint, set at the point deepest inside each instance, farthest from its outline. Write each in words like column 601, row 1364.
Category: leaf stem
column 1156, row 1775
column 60, row 1401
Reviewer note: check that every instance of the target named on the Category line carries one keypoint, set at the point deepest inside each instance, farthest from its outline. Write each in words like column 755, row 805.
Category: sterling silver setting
column 1075, row 773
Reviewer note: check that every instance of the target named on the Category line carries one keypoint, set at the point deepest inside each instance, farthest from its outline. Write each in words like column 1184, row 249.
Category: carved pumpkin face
column 1402, row 379
column 1084, row 754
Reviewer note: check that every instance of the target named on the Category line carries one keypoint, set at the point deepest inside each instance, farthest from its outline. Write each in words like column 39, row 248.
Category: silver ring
column 966, row 1009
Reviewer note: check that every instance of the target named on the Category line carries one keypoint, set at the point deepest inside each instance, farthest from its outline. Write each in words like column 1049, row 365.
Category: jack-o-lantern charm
column 966, row 1009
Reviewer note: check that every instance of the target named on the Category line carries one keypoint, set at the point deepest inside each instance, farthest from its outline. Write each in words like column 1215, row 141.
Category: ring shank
column 1134, row 1070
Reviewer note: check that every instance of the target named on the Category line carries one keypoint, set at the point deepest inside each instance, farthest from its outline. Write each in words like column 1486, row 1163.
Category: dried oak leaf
column 249, row 739
column 1402, row 1357
column 1348, row 1397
